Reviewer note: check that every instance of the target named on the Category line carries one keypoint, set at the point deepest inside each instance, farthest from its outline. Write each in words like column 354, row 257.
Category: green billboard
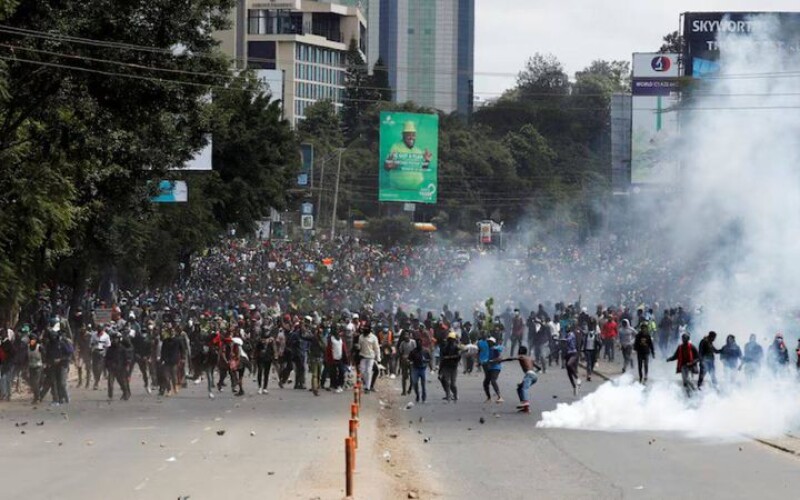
column 409, row 157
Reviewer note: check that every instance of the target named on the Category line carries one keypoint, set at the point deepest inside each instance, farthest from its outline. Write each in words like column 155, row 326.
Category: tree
column 358, row 96
column 543, row 76
column 321, row 127
column 380, row 81
column 255, row 155
column 673, row 43
column 99, row 130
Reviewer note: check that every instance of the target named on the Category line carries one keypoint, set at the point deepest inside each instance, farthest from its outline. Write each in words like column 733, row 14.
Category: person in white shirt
column 338, row 359
column 99, row 342
column 370, row 351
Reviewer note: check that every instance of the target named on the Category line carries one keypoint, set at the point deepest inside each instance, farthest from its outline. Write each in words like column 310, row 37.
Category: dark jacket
column 643, row 344
column 171, row 351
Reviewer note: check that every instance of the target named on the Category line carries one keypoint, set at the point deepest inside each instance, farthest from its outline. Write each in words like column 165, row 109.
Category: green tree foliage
column 255, row 154
column 673, row 43
column 358, row 94
column 380, row 81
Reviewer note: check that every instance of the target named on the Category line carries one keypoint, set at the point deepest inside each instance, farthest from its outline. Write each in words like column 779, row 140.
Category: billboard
column 304, row 178
column 171, row 192
column 409, row 157
column 654, row 119
column 702, row 29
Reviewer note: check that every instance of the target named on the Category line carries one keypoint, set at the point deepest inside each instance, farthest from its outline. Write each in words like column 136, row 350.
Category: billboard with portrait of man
column 409, row 156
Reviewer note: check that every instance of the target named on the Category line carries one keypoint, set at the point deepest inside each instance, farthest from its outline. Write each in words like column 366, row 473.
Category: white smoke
column 738, row 211
column 762, row 408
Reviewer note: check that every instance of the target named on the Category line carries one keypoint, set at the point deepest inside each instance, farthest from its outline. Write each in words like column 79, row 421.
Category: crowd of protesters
column 313, row 315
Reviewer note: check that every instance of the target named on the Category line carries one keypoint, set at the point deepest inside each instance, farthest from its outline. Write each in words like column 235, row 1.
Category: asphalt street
column 287, row 444
column 451, row 454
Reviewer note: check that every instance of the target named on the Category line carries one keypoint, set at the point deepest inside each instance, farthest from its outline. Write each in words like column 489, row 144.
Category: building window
column 256, row 21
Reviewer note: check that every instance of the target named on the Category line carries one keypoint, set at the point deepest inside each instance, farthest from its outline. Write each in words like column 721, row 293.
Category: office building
column 428, row 47
column 304, row 41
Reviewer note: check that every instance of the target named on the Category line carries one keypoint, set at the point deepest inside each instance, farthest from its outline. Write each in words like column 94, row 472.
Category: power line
column 168, row 51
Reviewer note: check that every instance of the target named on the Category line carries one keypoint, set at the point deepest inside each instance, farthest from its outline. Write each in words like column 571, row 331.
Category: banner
column 701, row 31
column 171, row 192
column 654, row 118
column 409, row 156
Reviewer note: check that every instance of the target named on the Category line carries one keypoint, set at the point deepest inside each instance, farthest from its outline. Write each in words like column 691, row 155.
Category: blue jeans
column 528, row 380
column 418, row 374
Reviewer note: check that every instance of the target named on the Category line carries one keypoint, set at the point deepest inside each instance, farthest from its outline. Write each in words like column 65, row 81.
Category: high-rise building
column 428, row 47
column 303, row 41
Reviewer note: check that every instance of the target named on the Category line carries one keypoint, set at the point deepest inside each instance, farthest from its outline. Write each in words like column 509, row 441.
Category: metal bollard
column 349, row 466
column 354, row 432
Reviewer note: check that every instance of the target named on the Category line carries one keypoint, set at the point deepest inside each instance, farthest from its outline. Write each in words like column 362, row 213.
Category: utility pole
column 336, row 195
column 319, row 198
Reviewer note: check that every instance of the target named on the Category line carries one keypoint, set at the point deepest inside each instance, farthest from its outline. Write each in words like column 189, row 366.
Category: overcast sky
column 577, row 32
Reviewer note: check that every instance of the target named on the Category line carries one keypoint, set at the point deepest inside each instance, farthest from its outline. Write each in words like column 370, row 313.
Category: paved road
column 508, row 457
column 167, row 448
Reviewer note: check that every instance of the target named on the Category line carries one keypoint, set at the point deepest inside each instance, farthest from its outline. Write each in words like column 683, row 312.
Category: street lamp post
column 336, row 195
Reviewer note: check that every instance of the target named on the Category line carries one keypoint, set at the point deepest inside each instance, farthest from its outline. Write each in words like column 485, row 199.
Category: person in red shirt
column 687, row 357
column 609, row 333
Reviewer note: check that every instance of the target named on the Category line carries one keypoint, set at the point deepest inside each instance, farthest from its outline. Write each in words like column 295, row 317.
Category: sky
column 577, row 32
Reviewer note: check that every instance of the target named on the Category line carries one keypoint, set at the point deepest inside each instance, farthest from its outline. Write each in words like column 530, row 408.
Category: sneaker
column 260, row 390
column 149, row 390
column 338, row 390
column 55, row 403
column 499, row 400
column 265, row 392
column 210, row 395
column 392, row 376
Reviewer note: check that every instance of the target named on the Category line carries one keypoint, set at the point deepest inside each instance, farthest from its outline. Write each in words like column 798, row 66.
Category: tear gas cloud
column 738, row 213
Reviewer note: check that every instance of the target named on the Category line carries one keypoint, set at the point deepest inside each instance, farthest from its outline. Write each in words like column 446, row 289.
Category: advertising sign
column 306, row 165
column 701, row 31
column 486, row 232
column 654, row 119
column 652, row 65
column 171, row 192
column 409, row 157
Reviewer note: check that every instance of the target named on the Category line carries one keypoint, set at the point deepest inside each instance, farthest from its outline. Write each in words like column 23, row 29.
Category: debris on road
column 220, row 433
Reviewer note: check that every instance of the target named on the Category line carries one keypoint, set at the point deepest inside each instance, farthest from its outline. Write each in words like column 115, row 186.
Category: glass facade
column 319, row 74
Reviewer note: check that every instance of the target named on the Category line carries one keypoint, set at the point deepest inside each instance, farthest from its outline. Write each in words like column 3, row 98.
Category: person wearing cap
column 450, row 355
column 406, row 152
column 370, row 353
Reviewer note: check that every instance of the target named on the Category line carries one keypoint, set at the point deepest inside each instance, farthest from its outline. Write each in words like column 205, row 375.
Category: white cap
column 492, row 339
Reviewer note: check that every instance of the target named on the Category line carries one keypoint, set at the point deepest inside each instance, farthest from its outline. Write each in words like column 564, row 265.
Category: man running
column 529, row 378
